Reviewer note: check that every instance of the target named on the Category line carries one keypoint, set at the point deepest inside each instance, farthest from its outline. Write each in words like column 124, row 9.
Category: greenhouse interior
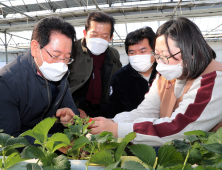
column 110, row 84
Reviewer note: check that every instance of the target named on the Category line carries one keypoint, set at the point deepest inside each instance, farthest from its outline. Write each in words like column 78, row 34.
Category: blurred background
column 18, row 17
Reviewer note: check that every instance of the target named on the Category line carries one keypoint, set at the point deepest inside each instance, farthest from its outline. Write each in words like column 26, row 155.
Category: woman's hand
column 102, row 124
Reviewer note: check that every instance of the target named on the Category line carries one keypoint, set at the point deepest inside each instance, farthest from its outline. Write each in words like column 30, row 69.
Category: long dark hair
column 196, row 53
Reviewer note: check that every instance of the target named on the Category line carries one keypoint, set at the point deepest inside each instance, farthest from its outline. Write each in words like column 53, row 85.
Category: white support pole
column 6, row 46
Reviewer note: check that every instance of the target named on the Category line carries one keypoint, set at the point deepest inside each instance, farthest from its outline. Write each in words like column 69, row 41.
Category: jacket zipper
column 60, row 97
column 47, row 84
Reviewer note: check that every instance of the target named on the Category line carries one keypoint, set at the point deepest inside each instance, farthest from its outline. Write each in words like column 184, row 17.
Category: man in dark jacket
column 95, row 63
column 35, row 86
column 129, row 85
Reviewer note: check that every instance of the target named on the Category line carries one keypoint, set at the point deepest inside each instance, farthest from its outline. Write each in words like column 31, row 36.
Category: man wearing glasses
column 34, row 86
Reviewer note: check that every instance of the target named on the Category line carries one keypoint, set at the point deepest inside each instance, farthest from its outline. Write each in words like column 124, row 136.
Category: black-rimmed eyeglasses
column 164, row 59
column 67, row 60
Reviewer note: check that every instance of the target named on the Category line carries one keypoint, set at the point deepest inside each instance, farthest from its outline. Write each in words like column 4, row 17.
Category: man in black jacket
column 34, row 86
column 129, row 85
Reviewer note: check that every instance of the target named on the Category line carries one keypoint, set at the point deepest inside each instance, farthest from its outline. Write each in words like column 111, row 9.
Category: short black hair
column 138, row 35
column 196, row 53
column 100, row 17
column 46, row 26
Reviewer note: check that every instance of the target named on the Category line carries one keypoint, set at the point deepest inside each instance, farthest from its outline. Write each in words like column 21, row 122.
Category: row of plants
column 199, row 150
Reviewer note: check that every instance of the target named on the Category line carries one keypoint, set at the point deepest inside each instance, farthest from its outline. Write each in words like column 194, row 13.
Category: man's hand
column 102, row 124
column 65, row 114
column 83, row 114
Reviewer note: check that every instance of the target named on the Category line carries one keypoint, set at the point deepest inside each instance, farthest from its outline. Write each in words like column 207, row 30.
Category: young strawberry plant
column 47, row 147
column 8, row 145
column 77, row 135
column 101, row 149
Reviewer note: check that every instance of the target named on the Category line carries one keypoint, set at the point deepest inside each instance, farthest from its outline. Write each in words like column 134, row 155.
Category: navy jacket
column 127, row 90
column 26, row 97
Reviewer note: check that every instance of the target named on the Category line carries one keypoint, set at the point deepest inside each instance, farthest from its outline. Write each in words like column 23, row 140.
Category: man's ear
column 84, row 33
column 111, row 38
column 34, row 48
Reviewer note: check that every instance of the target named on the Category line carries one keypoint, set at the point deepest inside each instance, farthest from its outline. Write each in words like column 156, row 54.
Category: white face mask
column 97, row 46
column 170, row 71
column 53, row 71
column 140, row 63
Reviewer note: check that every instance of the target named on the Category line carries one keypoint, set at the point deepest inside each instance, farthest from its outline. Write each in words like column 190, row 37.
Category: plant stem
column 5, row 166
column 186, row 159
column 90, row 156
column 78, row 153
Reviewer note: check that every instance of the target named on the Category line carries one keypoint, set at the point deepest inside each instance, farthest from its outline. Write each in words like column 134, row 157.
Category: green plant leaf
column 48, row 161
column 192, row 138
column 40, row 131
column 102, row 158
column 1, row 149
column 194, row 156
column 176, row 167
column 20, row 140
column 104, row 136
column 0, row 163
column 214, row 147
column 216, row 138
column 144, row 152
column 212, row 159
column 59, row 137
column 33, row 166
column 219, row 165
column 76, row 130
column 132, row 165
column 70, row 136
column 59, row 163
column 123, row 144
column 200, row 168
column 181, row 146
column 93, row 137
column 55, row 138
column 160, row 168
column 13, row 159
column 113, row 165
column 1, row 130
column 31, row 152
column 84, row 129
column 58, row 145
column 18, row 145
column 168, row 156
column 196, row 132
column 211, row 168
column 104, row 146
column 80, row 142
column 4, row 138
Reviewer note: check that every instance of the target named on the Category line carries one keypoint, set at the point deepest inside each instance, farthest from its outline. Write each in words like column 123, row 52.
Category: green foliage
column 168, row 156
column 102, row 158
column 199, row 148
column 123, row 145
column 8, row 144
column 48, row 145
column 181, row 146
column 33, row 166
column 132, row 165
column 216, row 137
column 194, row 157
column 145, row 153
